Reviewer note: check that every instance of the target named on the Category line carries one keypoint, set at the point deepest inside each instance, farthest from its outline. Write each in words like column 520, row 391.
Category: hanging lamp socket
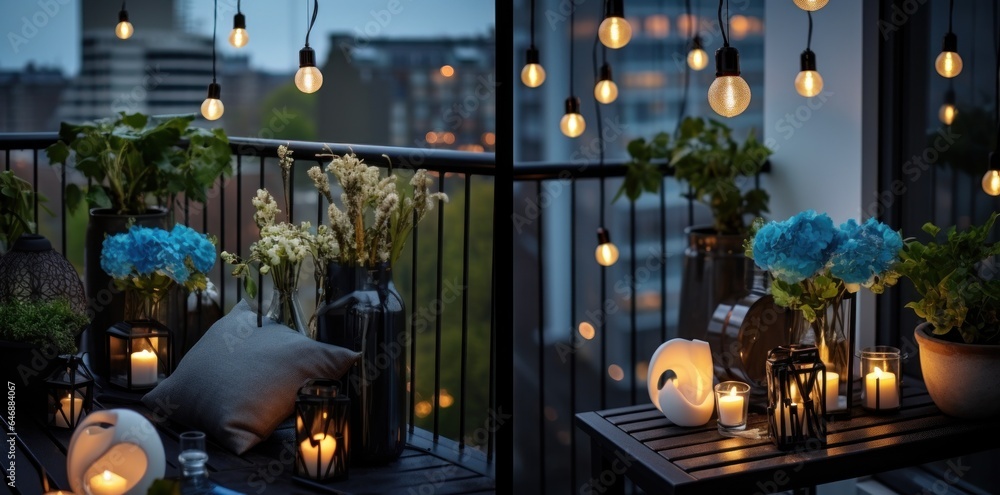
column 572, row 105
column 950, row 43
column 239, row 21
column 808, row 60
column 727, row 61
column 307, row 57
column 532, row 55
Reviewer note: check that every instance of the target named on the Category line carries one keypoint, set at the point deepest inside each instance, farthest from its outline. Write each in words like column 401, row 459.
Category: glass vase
column 145, row 305
column 365, row 313
column 286, row 309
column 830, row 332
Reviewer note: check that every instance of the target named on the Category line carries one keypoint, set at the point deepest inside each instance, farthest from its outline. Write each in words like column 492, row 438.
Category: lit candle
column 832, row 391
column 107, row 483
column 144, row 368
column 69, row 410
column 880, row 390
column 731, row 409
column 786, row 412
column 325, row 446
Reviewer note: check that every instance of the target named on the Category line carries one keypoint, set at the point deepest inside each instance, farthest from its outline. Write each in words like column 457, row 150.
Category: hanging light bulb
column 810, row 5
column 949, row 63
column 124, row 28
column 729, row 94
column 606, row 91
column 948, row 110
column 308, row 78
column 615, row 31
column 212, row 107
column 991, row 182
column 572, row 124
column 808, row 83
column 532, row 75
column 697, row 57
column 238, row 37
column 607, row 252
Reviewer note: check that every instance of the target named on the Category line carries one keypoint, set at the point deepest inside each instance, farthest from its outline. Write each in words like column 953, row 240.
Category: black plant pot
column 105, row 303
column 714, row 271
column 364, row 312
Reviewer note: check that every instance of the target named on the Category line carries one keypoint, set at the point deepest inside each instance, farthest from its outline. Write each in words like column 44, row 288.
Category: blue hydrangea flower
column 797, row 248
column 864, row 251
column 196, row 246
column 143, row 251
column 114, row 260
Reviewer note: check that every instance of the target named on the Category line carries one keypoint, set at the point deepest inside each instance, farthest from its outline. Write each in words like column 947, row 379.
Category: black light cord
column 809, row 40
column 313, row 21
column 532, row 23
column 996, row 73
column 725, row 38
column 951, row 11
column 682, row 108
column 572, row 16
column 123, row 4
column 215, row 26
column 238, row 2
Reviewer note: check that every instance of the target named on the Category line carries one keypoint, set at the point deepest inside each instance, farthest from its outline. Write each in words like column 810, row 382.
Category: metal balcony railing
column 451, row 358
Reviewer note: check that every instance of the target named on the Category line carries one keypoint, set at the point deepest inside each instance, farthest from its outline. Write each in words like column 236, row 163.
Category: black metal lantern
column 34, row 272
column 138, row 354
column 322, row 435
column 70, row 390
column 796, row 394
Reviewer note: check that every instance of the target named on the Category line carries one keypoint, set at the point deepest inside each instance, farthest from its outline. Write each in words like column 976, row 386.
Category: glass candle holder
column 880, row 365
column 731, row 401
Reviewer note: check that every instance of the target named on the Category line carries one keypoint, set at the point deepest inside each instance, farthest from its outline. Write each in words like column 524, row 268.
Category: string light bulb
column 991, row 182
column 238, row 37
column 532, row 75
column 124, row 28
column 697, row 58
column 808, row 82
column 614, row 32
column 729, row 94
column 606, row 253
column 572, row 123
column 810, row 5
column 212, row 108
column 308, row 78
column 948, row 110
column 949, row 63
column 605, row 91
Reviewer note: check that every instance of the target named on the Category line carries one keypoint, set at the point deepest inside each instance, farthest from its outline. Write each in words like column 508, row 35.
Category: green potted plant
column 17, row 209
column 136, row 166
column 960, row 303
column 704, row 154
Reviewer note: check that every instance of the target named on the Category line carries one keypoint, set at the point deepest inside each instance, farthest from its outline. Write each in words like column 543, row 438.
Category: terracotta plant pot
column 961, row 378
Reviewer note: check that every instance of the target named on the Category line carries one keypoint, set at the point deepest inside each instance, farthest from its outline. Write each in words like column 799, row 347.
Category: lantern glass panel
column 70, row 393
column 321, row 431
column 138, row 354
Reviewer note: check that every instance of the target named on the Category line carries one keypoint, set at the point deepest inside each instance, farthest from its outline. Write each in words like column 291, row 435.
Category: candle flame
column 145, row 352
column 732, row 391
column 878, row 372
column 107, row 475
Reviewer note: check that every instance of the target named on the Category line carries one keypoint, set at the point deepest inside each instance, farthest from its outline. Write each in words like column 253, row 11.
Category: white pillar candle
column 324, row 449
column 144, row 368
column 832, row 391
column 786, row 418
column 884, row 384
column 70, row 408
column 731, row 409
column 107, row 483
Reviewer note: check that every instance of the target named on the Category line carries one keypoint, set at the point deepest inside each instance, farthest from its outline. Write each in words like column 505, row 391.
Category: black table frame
column 639, row 443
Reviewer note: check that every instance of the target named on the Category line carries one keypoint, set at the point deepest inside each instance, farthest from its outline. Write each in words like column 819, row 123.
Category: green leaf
column 250, row 286
column 73, row 197
column 57, row 153
column 136, row 120
column 931, row 229
column 98, row 198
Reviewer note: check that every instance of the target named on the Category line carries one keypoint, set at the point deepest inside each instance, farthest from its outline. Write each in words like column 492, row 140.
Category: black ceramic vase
column 364, row 312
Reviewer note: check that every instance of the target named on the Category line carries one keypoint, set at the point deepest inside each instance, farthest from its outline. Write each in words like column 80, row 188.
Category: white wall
column 825, row 147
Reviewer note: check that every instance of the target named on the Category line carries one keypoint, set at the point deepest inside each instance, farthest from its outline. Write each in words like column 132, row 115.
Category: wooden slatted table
column 424, row 467
column 639, row 443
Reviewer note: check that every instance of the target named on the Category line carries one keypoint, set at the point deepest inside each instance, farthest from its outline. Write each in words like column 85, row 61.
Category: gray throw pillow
column 239, row 381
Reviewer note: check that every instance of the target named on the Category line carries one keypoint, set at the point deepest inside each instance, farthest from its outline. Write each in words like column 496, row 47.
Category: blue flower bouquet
column 815, row 264
column 147, row 263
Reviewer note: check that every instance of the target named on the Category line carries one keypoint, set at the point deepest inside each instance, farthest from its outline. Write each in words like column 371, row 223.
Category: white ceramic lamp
column 686, row 396
column 114, row 451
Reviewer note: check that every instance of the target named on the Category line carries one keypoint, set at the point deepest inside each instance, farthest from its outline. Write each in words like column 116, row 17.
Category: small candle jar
column 731, row 401
column 880, row 365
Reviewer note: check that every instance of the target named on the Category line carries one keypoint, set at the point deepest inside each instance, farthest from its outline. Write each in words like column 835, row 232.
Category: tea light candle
column 144, row 366
column 832, row 391
column 107, row 483
column 880, row 390
column 324, row 450
column 66, row 409
column 731, row 409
